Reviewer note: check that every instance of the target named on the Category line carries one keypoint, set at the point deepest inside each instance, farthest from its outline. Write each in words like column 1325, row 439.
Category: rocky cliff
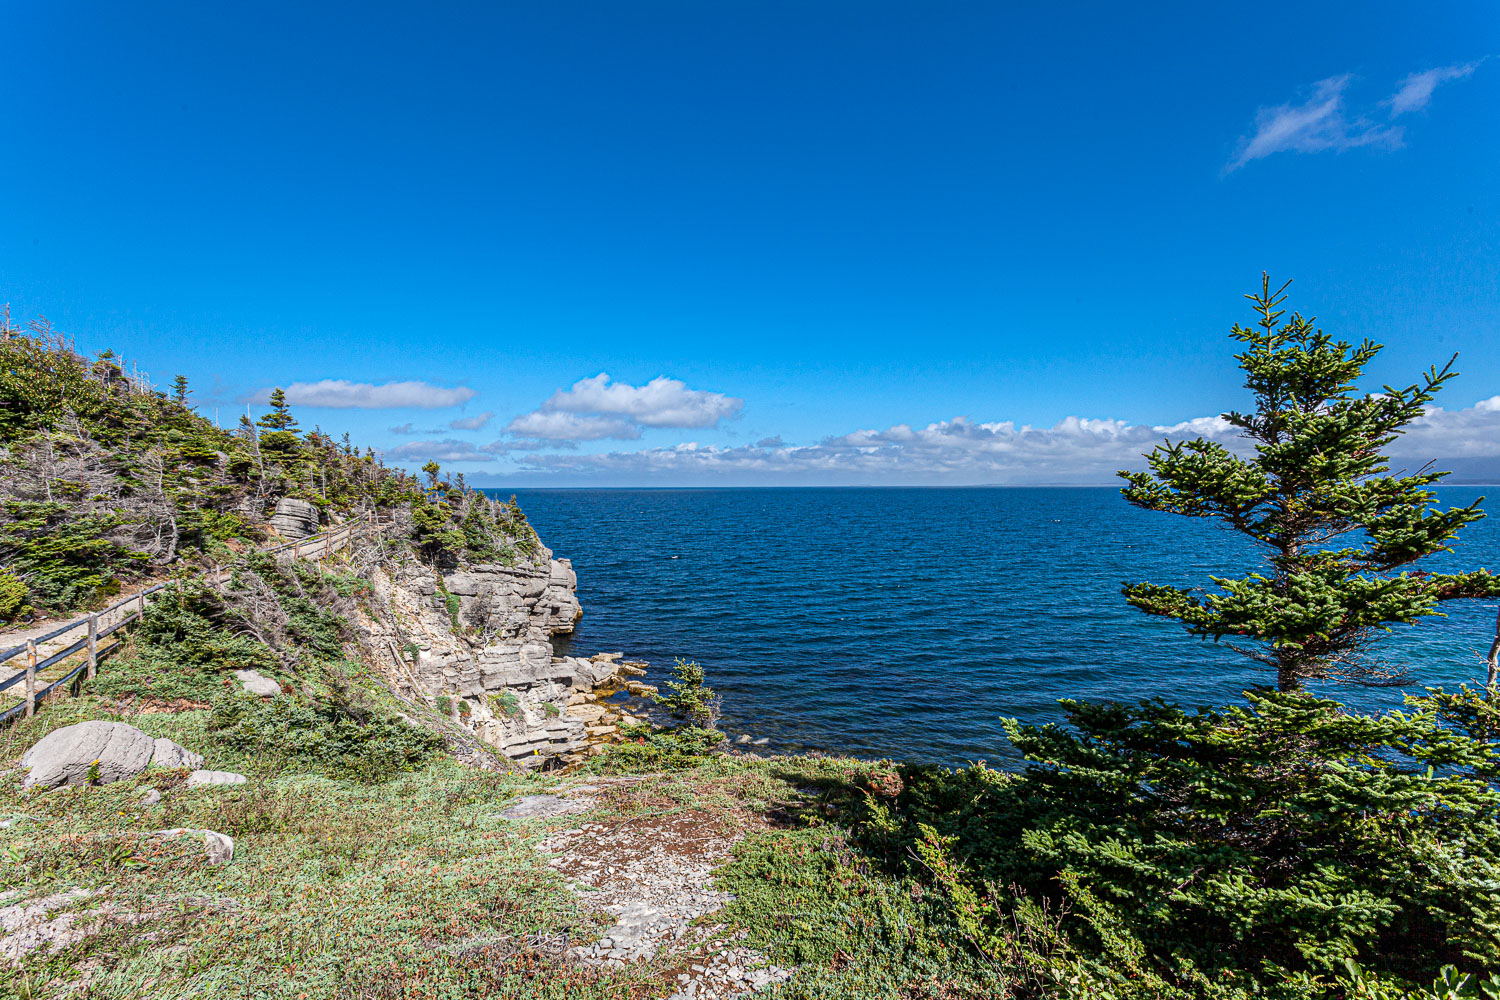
column 477, row 643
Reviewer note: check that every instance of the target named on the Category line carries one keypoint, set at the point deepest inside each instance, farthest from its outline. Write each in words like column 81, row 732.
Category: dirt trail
column 653, row 872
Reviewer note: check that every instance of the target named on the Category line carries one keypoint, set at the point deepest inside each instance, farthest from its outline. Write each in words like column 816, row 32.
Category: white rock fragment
column 218, row 846
column 257, row 683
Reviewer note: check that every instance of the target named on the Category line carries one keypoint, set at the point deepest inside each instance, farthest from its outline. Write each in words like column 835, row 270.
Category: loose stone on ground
column 654, row 874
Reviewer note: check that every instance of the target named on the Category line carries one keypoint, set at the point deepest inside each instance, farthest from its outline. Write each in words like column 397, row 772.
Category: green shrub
column 805, row 897
column 690, row 700
column 68, row 559
column 551, row 710
column 225, row 525
column 505, row 703
column 12, row 598
column 177, row 651
column 1258, row 845
column 452, row 603
column 445, row 705
column 646, row 748
column 321, row 736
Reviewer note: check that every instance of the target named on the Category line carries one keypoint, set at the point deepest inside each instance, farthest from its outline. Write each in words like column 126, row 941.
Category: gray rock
column 545, row 807
column 592, row 672
column 295, row 518
column 64, row 756
column 151, row 798
column 219, row 846
column 165, row 753
column 463, row 584
column 215, row 778
column 28, row 926
column 257, row 683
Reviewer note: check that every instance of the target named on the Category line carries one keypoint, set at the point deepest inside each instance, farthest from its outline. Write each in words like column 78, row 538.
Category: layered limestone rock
column 478, row 644
column 295, row 518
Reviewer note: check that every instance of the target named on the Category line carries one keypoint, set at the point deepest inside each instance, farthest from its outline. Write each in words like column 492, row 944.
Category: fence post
column 93, row 645
column 30, row 678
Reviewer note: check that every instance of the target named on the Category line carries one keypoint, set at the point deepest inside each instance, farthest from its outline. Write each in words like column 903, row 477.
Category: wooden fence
column 318, row 546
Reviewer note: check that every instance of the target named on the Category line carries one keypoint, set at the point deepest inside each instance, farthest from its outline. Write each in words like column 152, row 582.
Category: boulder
column 295, row 518
column 169, row 754
column 592, row 672
column 65, row 756
column 257, row 683
column 464, row 584
column 215, row 778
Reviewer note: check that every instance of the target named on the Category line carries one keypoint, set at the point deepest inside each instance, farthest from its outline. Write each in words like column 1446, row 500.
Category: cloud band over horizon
column 959, row 451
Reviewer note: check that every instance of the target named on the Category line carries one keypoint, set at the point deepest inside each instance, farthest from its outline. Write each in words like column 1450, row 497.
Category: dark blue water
column 907, row 622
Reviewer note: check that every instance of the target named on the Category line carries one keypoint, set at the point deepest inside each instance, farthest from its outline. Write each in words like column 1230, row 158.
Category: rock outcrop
column 478, row 644
column 295, row 518
column 114, row 751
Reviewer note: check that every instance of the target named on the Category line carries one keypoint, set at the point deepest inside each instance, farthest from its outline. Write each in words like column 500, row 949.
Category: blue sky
column 806, row 242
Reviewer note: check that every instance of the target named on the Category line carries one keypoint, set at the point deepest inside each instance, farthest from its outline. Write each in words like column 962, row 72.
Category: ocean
column 906, row 623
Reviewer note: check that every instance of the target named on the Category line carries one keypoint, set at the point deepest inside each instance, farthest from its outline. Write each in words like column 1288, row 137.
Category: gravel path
column 654, row 874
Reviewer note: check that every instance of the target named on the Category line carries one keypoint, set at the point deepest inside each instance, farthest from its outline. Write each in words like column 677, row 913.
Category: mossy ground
column 414, row 886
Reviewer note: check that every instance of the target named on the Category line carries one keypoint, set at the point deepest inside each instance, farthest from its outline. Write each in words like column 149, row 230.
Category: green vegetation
column 324, row 737
column 1278, row 849
column 505, row 703
column 104, row 481
column 1318, row 477
column 409, row 887
column 689, row 700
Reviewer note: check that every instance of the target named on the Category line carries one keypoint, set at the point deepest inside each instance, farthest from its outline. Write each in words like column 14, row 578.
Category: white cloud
column 596, row 408
column 406, row 428
column 1473, row 432
column 662, row 402
column 959, row 451
column 555, row 426
column 342, row 394
column 1415, row 91
column 1317, row 124
column 471, row 423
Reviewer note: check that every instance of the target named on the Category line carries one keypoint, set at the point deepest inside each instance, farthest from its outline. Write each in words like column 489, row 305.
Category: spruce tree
column 1337, row 529
column 280, row 443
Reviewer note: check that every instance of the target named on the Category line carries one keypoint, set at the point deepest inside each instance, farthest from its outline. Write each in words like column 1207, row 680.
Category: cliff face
column 478, row 643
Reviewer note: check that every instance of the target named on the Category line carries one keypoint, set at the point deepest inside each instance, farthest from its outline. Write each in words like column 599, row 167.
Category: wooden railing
column 318, row 546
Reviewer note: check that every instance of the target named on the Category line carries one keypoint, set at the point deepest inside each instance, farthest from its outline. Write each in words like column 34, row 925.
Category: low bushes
column 321, row 736
column 1248, row 849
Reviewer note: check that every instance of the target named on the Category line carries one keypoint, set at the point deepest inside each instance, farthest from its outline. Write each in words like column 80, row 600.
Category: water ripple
column 906, row 623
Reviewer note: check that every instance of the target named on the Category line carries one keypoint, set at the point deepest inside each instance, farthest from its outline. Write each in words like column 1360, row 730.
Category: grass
column 413, row 887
